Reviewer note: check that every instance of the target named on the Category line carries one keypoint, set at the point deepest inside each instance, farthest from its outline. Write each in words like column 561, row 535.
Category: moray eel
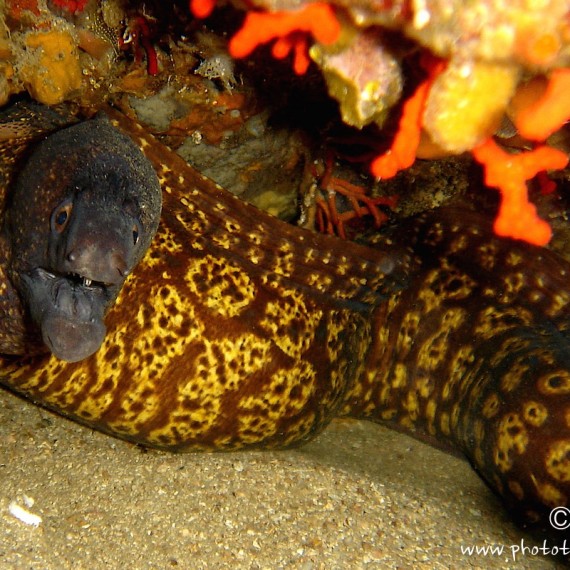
column 239, row 331
column 77, row 218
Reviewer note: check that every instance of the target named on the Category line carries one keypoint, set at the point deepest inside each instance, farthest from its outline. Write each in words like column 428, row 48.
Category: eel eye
column 61, row 216
column 135, row 234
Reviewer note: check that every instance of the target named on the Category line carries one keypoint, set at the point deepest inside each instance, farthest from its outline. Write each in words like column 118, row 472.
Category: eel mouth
column 77, row 296
column 43, row 274
column 77, row 279
column 69, row 309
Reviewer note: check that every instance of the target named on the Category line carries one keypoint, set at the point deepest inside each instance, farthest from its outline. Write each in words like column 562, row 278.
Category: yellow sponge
column 52, row 70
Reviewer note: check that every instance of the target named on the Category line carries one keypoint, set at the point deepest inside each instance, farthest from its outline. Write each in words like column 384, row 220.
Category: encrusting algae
column 487, row 52
column 488, row 48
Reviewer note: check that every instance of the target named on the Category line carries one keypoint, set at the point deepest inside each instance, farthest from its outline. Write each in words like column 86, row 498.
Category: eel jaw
column 69, row 310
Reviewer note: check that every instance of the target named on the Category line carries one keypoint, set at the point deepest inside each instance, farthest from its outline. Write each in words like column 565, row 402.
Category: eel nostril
column 71, row 257
column 120, row 264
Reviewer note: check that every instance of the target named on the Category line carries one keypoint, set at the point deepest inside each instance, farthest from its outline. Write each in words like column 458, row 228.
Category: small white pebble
column 24, row 515
column 28, row 501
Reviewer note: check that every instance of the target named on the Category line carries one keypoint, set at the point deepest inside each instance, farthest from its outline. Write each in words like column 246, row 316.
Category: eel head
column 84, row 210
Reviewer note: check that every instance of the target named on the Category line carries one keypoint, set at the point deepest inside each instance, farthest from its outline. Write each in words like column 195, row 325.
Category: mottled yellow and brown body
column 235, row 330
column 474, row 355
column 238, row 331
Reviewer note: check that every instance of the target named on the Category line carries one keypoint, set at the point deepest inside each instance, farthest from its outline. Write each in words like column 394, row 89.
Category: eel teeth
column 86, row 282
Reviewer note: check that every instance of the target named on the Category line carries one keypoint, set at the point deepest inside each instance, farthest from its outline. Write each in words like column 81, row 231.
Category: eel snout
column 69, row 311
column 92, row 263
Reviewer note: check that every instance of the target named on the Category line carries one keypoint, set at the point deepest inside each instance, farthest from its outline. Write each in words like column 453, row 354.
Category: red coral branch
column 330, row 220
column 289, row 29
column 402, row 152
column 138, row 34
column 297, row 43
column 539, row 121
column 202, row 8
column 508, row 173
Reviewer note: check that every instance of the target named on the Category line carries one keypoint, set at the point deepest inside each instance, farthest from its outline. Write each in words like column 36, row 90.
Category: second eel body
column 238, row 331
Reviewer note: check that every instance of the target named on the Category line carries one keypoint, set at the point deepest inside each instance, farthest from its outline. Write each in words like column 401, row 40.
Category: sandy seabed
column 359, row 496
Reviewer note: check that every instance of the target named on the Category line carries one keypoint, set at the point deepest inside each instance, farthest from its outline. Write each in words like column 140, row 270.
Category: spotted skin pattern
column 474, row 355
column 237, row 331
